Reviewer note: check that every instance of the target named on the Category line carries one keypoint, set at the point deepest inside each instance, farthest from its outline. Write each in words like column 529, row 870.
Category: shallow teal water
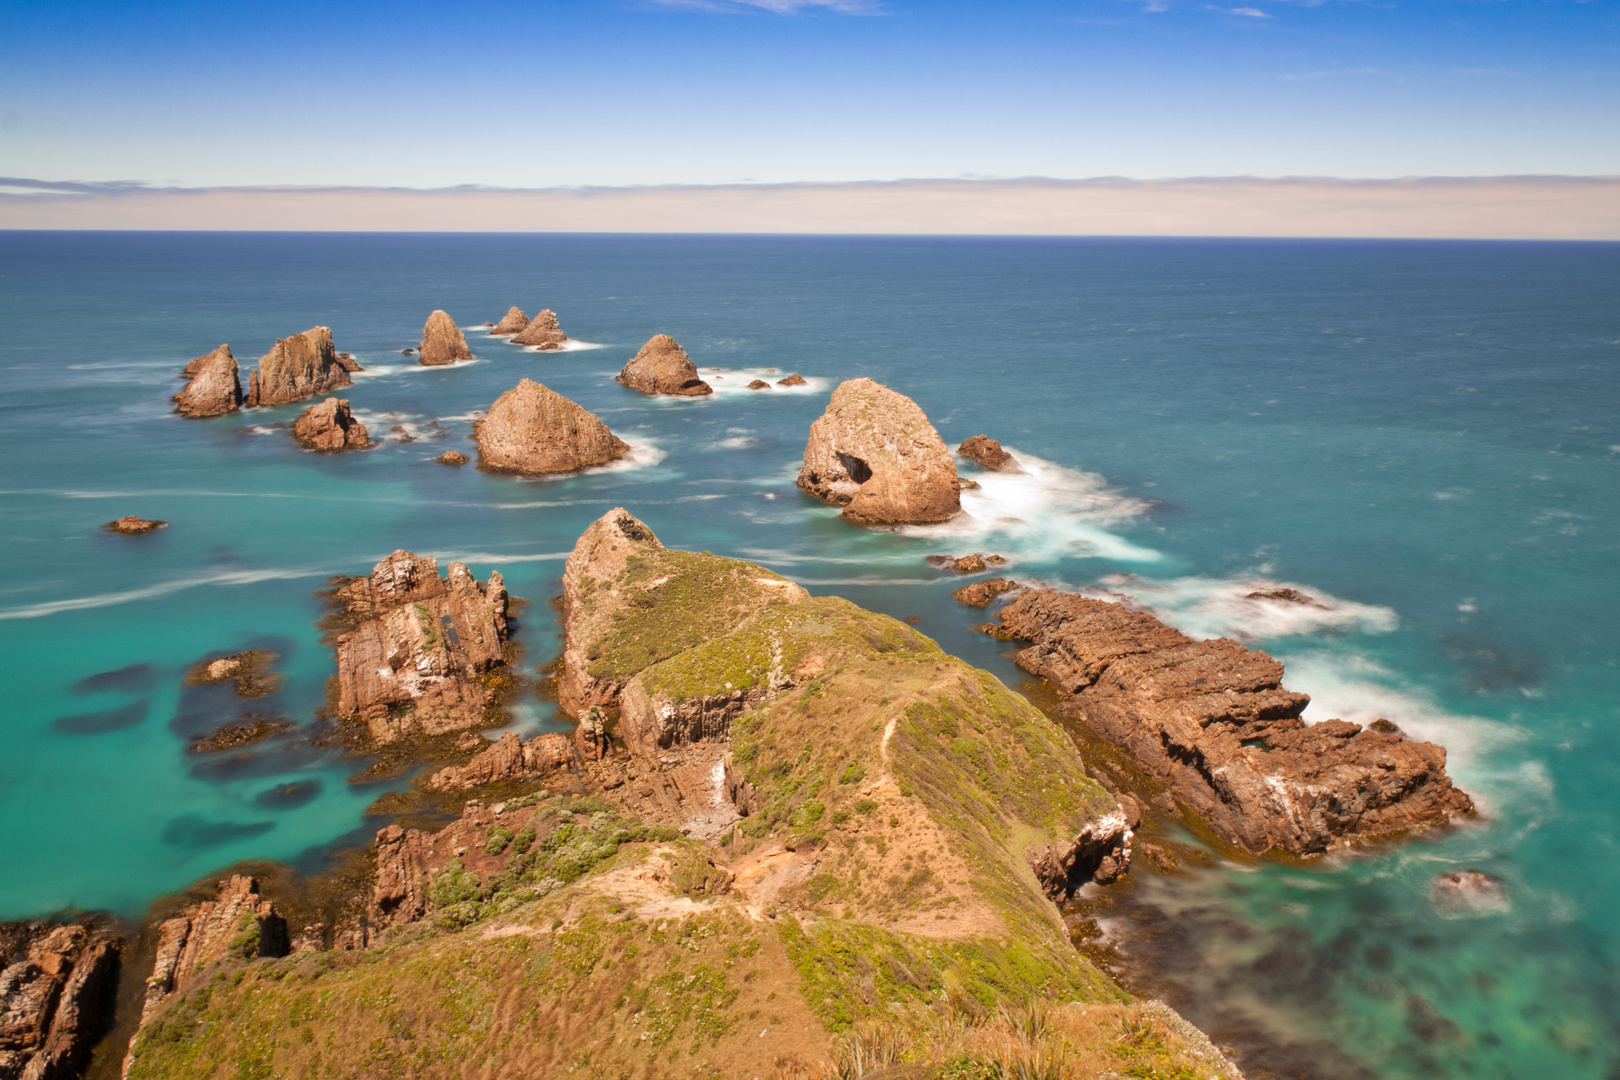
column 1426, row 437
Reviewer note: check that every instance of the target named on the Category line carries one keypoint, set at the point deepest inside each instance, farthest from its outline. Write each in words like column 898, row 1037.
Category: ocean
column 1423, row 437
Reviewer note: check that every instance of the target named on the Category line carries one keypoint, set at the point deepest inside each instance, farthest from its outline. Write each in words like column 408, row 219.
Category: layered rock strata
column 874, row 453
column 543, row 332
column 237, row 924
column 509, row 758
column 302, row 366
column 1211, row 721
column 331, row 427
column 533, row 429
column 442, row 342
column 417, row 648
column 662, row 367
column 988, row 454
column 57, row 983
column 214, row 387
column 513, row 322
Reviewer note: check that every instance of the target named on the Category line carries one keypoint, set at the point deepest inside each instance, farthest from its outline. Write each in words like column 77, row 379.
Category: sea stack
column 874, row 453
column 215, row 388
column 513, row 322
column 442, row 342
column 987, row 453
column 331, row 427
column 662, row 367
column 542, row 331
column 533, row 429
column 299, row 367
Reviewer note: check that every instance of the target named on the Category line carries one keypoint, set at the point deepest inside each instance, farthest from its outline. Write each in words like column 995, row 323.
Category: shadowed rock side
column 988, row 454
column 420, row 647
column 331, row 427
column 1211, row 721
column 57, row 983
column 513, row 322
column 543, row 331
column 214, row 388
column 662, row 367
column 874, row 453
column 533, row 429
column 442, row 342
column 299, row 367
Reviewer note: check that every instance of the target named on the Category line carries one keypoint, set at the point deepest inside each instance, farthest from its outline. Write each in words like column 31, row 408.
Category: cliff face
column 874, row 453
column 214, row 388
column 542, row 331
column 662, row 367
column 1210, row 720
column 533, row 429
column 56, row 987
column 331, row 427
column 299, row 367
column 442, row 342
column 418, row 647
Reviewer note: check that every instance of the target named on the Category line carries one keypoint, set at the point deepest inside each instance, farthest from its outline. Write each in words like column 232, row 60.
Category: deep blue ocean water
column 1423, row 436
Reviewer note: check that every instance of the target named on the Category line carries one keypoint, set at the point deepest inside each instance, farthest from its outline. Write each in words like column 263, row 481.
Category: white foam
column 1203, row 607
column 221, row 577
column 567, row 346
column 729, row 382
column 490, row 558
column 643, row 453
column 381, row 426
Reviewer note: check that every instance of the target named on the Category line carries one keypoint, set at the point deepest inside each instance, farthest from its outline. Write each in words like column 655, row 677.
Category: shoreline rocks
column 980, row 593
column 662, row 367
column 302, row 366
column 543, row 331
column 130, row 525
column 534, row 430
column 874, row 453
column 58, row 983
column 442, row 342
column 988, row 454
column 214, row 386
column 513, row 322
column 331, row 427
column 509, row 758
column 966, row 564
column 1211, row 722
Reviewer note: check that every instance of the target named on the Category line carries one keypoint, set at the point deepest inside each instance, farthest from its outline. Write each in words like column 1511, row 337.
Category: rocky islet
column 331, row 427
column 662, row 367
column 534, row 430
column 442, row 342
column 302, row 366
column 213, row 387
column 543, row 332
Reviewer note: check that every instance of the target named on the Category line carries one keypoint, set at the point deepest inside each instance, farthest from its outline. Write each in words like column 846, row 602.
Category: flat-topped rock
column 130, row 525
column 662, row 367
column 331, row 427
column 543, row 331
column 1211, row 722
column 874, row 453
column 214, row 387
column 533, row 429
column 442, row 342
column 988, row 454
column 513, row 322
column 302, row 366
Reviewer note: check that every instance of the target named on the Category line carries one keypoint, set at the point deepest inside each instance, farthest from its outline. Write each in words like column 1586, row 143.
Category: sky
column 634, row 92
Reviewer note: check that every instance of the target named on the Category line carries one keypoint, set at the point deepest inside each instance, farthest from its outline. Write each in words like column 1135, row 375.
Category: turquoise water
column 1425, row 437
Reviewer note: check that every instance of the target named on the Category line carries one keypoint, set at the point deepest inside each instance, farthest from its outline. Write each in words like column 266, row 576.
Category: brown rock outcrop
column 759, row 384
column 1211, row 721
column 662, row 367
column 543, row 331
column 415, row 660
column 253, row 672
column 980, row 593
column 56, row 988
column 513, row 322
column 792, row 380
column 966, row 564
column 331, row 428
column 238, row 922
column 874, row 453
column 302, row 366
column 987, row 453
column 442, row 342
column 1100, row 852
column 533, row 429
column 130, row 525
column 509, row 758
column 214, row 389
column 349, row 363
column 451, row 457
column 600, row 555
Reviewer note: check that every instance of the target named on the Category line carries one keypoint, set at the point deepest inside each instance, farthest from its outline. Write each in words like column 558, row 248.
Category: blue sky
column 648, row 92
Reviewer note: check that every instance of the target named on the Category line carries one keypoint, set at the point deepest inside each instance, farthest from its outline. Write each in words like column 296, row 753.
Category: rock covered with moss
column 542, row 332
column 662, row 367
column 302, row 366
column 214, row 387
column 874, row 453
column 331, row 427
column 442, row 342
column 533, row 429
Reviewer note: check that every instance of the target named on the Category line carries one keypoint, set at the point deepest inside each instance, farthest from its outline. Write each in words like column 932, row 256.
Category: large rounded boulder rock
column 662, row 367
column 533, row 429
column 442, row 342
column 214, row 388
column 874, row 453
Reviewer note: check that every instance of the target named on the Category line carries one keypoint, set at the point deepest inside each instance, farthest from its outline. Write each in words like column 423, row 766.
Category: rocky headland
column 543, row 331
column 535, row 430
column 58, row 981
column 874, row 453
column 302, row 366
column 1210, row 722
column 662, row 367
column 331, row 427
column 213, row 386
column 442, row 342
column 513, row 322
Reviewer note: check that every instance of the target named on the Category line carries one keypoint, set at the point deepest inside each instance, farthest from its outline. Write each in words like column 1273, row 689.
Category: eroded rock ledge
column 1211, row 721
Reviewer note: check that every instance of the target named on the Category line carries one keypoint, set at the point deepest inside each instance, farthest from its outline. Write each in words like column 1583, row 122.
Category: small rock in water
column 402, row 433
column 988, row 453
column 1468, row 892
column 980, row 593
column 792, row 380
column 331, row 427
column 759, row 384
column 407, row 352
column 130, row 525
column 451, row 457
column 967, row 564
column 1287, row 596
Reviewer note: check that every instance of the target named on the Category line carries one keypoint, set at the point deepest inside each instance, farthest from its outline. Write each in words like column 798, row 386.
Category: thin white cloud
column 1253, row 13
column 776, row 7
